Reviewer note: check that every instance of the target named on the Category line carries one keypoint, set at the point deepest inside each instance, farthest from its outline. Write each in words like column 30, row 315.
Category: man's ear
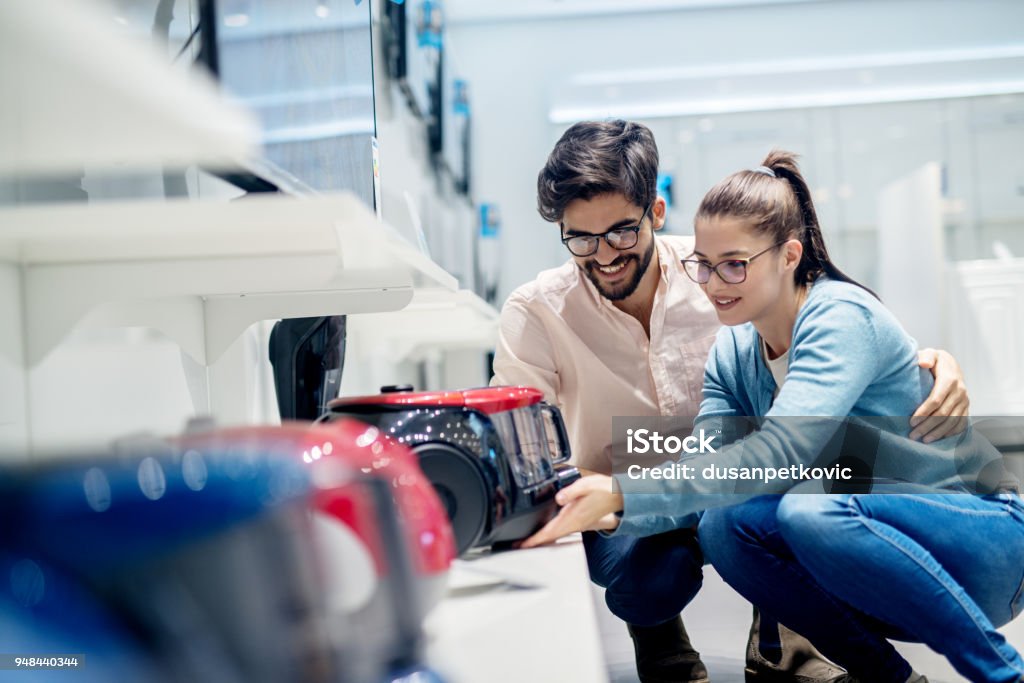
column 659, row 210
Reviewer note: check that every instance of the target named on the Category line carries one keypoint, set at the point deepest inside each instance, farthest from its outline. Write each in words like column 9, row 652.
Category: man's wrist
column 619, row 503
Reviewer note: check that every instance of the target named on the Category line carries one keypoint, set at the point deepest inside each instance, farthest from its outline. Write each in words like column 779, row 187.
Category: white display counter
column 518, row 615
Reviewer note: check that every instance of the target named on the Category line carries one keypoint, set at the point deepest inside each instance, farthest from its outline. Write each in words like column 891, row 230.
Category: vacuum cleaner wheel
column 460, row 485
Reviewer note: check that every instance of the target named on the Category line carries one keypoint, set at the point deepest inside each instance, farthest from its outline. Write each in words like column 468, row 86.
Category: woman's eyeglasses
column 617, row 238
column 732, row 271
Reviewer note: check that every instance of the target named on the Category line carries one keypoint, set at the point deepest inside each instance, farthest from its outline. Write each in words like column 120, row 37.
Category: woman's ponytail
column 775, row 198
column 816, row 259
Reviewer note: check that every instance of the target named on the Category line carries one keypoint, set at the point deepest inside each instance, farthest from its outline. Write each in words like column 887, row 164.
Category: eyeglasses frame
column 635, row 229
column 714, row 269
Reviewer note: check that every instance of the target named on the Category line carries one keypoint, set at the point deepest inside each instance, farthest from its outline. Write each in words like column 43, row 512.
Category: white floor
column 718, row 621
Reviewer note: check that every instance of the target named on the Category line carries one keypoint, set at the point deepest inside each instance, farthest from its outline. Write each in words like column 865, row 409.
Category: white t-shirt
column 778, row 367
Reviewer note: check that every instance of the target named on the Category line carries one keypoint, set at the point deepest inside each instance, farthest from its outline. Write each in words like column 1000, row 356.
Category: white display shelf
column 78, row 91
column 435, row 318
column 521, row 615
column 202, row 272
column 985, row 332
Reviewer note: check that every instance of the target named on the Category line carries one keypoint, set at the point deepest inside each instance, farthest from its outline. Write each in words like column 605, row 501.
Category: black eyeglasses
column 617, row 238
column 733, row 271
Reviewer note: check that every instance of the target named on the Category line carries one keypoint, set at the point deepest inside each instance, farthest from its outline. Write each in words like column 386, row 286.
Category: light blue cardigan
column 849, row 357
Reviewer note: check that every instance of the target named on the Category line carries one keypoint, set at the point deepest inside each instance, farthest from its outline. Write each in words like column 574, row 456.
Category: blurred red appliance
column 361, row 447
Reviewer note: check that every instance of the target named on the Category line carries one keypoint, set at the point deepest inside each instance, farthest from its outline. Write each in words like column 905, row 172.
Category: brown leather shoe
column 664, row 654
column 799, row 661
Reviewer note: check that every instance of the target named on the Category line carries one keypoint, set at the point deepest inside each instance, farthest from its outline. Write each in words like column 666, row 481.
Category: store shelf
column 984, row 329
column 521, row 615
column 78, row 92
column 202, row 271
column 435, row 318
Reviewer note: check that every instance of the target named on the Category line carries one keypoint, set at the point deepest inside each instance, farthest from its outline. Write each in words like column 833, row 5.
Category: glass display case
column 305, row 70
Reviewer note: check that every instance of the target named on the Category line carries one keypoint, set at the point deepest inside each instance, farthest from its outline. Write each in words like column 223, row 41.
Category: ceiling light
column 236, row 20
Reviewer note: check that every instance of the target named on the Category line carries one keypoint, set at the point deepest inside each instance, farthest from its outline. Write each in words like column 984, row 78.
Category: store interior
column 198, row 197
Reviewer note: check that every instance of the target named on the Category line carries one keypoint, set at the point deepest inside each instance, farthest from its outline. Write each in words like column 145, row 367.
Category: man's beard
column 625, row 289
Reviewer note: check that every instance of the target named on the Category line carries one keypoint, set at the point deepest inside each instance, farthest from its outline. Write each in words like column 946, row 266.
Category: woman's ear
column 659, row 210
column 792, row 250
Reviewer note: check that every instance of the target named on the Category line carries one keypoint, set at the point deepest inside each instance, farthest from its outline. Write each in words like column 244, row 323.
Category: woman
column 847, row 571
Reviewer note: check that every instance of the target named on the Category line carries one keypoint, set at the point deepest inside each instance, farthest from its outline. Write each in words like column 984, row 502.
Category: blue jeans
column 647, row 580
column 849, row 571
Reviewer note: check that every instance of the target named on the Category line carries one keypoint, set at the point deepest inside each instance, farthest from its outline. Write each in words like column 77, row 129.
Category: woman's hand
column 589, row 504
column 945, row 411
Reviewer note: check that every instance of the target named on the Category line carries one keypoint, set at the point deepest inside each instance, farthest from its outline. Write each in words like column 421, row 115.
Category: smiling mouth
column 725, row 301
column 612, row 268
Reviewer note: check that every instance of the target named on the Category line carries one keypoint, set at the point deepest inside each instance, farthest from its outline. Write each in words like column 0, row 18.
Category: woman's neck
column 776, row 325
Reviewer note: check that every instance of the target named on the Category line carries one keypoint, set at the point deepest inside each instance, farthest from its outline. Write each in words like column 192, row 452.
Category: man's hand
column 589, row 504
column 945, row 411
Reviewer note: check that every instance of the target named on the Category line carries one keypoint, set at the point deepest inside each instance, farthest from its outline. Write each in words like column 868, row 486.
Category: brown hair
column 598, row 157
column 778, row 204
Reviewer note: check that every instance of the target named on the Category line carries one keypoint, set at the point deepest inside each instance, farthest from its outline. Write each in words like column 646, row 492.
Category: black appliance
column 496, row 456
column 308, row 355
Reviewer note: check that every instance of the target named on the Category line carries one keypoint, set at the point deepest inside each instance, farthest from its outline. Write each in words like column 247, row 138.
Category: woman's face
column 727, row 243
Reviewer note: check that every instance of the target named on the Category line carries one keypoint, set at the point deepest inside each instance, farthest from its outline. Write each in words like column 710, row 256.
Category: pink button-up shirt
column 594, row 362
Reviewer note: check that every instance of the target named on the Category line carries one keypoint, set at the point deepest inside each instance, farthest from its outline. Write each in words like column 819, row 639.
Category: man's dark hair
column 598, row 157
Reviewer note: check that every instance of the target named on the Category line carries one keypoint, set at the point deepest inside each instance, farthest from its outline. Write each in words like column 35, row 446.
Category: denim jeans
column 647, row 580
column 849, row 571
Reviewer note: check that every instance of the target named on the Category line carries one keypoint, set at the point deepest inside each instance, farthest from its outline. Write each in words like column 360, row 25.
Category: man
column 620, row 330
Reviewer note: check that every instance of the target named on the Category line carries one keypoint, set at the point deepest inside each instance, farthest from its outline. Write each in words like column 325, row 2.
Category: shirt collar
column 665, row 258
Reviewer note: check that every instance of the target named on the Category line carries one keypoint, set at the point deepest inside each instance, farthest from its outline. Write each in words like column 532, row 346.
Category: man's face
column 616, row 273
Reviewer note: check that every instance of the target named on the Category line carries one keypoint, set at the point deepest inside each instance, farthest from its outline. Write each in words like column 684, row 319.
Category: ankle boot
column 797, row 662
column 664, row 654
